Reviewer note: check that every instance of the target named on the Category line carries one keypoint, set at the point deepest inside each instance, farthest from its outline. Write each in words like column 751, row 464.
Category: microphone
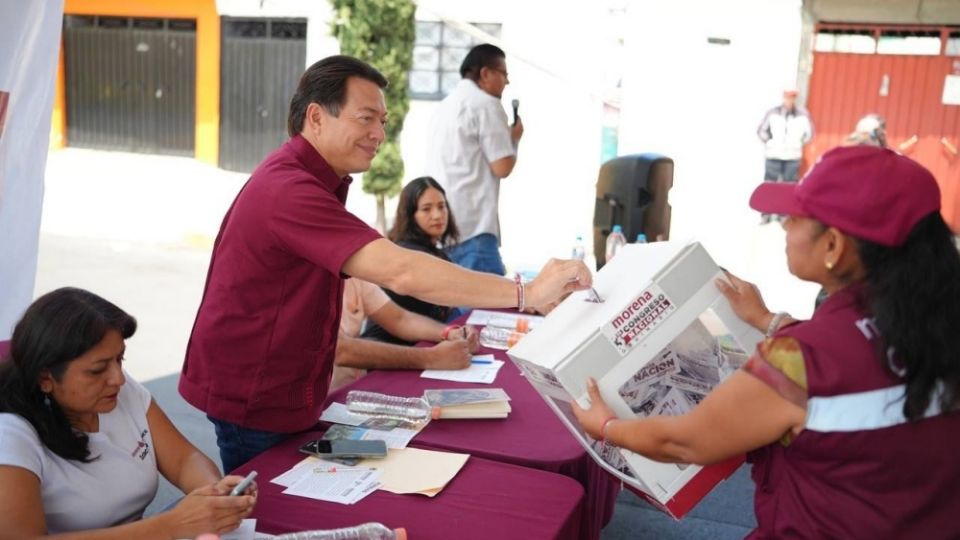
column 516, row 105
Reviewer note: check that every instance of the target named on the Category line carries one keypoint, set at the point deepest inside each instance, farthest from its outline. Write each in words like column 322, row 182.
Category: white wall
column 30, row 41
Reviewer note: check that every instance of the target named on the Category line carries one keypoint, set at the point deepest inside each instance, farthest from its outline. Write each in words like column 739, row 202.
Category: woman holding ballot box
column 851, row 418
column 81, row 444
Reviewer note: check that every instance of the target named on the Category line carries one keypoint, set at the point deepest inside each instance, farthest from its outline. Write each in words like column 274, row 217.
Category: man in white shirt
column 473, row 147
column 784, row 131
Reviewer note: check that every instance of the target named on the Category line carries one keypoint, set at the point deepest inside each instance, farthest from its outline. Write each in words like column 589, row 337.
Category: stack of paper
column 328, row 481
column 410, row 470
column 456, row 403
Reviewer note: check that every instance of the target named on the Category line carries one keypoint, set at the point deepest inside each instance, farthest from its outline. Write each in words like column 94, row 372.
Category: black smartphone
column 345, row 448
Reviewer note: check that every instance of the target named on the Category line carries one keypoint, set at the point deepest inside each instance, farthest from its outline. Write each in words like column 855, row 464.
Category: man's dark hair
column 482, row 56
column 325, row 83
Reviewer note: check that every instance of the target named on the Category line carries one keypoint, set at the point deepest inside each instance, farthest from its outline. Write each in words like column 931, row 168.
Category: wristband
column 775, row 323
column 446, row 331
column 603, row 429
column 521, row 301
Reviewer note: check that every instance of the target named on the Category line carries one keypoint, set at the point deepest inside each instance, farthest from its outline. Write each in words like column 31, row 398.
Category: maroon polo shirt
column 262, row 347
column 846, row 475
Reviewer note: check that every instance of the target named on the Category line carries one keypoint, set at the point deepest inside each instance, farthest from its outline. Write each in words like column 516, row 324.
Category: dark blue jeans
column 480, row 253
column 239, row 445
column 781, row 170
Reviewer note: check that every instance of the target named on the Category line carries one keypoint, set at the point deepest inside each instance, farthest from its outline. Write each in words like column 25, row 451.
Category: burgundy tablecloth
column 532, row 435
column 486, row 500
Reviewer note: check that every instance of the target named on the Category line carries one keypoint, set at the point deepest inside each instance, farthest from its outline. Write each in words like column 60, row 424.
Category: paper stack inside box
column 661, row 340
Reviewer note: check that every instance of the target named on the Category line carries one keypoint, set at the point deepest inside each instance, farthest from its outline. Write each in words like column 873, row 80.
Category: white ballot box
column 662, row 338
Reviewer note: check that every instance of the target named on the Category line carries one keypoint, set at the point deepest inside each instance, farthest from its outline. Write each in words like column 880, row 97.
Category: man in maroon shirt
column 261, row 352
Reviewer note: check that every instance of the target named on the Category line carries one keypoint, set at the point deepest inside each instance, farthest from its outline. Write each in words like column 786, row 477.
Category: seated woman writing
column 423, row 223
column 850, row 419
column 82, row 444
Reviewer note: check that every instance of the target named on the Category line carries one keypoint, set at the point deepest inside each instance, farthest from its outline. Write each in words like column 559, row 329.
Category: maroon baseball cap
column 870, row 193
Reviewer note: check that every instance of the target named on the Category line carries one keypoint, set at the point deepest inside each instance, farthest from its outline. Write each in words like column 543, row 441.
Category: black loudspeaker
column 632, row 192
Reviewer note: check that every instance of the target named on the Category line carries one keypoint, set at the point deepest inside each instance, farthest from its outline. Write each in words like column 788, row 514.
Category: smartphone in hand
column 244, row 484
column 345, row 448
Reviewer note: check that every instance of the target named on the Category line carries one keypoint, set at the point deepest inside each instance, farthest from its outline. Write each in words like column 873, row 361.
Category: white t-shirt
column 470, row 131
column 114, row 489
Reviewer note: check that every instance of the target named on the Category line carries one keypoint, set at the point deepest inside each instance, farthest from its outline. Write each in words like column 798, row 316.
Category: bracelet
column 775, row 323
column 603, row 429
column 446, row 331
column 521, row 301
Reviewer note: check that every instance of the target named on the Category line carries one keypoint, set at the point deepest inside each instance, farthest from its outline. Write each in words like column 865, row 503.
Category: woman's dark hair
column 56, row 329
column 482, row 56
column 915, row 300
column 405, row 226
column 325, row 83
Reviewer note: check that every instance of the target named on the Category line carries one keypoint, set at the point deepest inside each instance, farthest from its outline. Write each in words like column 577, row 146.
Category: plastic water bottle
column 411, row 410
column 495, row 337
column 641, row 239
column 579, row 251
column 367, row 531
column 615, row 240
column 518, row 324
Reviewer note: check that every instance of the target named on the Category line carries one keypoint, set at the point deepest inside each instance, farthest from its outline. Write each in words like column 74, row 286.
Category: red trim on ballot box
column 695, row 490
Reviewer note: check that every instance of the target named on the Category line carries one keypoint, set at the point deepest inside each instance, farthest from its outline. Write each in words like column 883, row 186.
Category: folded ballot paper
column 661, row 340
column 464, row 403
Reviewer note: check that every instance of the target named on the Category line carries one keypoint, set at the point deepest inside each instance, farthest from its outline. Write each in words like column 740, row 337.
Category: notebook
column 464, row 403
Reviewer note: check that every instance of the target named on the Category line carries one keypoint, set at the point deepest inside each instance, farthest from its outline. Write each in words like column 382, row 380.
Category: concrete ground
column 138, row 230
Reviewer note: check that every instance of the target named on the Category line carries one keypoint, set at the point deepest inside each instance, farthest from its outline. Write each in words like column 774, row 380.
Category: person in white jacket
column 785, row 129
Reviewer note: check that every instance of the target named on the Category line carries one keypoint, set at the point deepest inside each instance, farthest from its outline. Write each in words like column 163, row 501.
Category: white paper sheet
column 311, row 465
column 343, row 486
column 476, row 373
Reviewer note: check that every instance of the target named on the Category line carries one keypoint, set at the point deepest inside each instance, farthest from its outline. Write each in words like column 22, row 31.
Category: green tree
column 381, row 33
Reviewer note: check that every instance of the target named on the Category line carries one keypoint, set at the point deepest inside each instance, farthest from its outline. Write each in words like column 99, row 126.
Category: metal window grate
column 148, row 24
column 288, row 30
column 182, row 25
column 113, row 22
column 244, row 28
